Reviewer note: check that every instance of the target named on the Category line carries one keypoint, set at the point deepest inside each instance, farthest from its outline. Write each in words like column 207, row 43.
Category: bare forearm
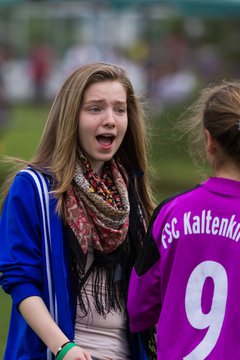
column 38, row 317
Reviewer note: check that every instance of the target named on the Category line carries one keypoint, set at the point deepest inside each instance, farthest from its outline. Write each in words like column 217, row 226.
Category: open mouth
column 105, row 139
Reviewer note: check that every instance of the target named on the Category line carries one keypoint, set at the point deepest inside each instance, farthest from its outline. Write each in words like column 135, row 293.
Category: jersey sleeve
column 144, row 296
column 20, row 241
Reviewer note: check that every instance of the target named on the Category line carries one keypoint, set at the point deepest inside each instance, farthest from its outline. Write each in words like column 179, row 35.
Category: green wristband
column 64, row 350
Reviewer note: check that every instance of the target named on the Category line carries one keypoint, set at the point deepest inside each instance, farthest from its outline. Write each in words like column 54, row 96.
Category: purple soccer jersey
column 187, row 280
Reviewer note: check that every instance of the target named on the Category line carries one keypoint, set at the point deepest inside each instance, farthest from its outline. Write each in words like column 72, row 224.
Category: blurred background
column 170, row 48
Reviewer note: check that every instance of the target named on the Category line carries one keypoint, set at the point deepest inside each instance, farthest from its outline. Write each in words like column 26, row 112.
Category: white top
column 103, row 338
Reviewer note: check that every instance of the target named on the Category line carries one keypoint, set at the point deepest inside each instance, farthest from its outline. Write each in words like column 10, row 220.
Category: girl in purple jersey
column 187, row 279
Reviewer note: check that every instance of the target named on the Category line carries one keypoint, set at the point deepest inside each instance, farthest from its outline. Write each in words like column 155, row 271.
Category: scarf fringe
column 107, row 290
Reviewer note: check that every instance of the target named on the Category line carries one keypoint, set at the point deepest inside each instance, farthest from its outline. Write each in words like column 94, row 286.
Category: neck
column 229, row 171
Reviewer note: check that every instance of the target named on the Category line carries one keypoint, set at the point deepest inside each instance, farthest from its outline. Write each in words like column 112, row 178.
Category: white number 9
column 214, row 318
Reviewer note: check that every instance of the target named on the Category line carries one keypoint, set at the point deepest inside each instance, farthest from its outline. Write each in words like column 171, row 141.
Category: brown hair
column 218, row 110
column 57, row 150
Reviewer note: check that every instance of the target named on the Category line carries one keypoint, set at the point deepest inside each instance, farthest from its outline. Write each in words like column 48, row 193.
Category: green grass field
column 172, row 169
column 5, row 314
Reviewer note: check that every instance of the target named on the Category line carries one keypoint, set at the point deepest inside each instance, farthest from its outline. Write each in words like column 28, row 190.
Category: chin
column 106, row 158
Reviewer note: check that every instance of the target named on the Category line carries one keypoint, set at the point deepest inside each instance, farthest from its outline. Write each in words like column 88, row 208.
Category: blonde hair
column 57, row 149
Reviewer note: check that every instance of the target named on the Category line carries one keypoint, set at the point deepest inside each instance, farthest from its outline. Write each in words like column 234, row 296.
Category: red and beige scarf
column 98, row 207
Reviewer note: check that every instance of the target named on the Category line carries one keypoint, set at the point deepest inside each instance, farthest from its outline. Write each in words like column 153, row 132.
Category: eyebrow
column 118, row 102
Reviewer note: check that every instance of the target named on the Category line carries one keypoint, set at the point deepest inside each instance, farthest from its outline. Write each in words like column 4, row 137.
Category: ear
column 210, row 143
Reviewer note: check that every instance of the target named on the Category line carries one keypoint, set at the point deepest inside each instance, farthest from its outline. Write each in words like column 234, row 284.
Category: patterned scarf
column 106, row 212
column 98, row 207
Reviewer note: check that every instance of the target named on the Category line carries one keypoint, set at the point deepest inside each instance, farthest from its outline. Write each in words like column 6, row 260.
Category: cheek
column 123, row 127
column 84, row 129
column 82, row 136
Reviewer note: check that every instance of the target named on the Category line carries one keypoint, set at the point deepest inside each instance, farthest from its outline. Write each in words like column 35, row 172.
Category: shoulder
column 27, row 186
column 177, row 199
column 31, row 178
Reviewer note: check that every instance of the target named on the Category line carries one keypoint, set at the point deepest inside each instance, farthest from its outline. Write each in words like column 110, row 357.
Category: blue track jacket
column 24, row 268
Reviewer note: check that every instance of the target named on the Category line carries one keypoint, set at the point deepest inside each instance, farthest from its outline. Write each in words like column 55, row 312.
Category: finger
column 87, row 356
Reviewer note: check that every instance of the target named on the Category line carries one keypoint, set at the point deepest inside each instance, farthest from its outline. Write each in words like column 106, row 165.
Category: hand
column 77, row 353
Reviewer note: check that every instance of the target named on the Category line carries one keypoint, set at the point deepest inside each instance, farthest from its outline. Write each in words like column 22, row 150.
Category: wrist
column 56, row 343
column 64, row 348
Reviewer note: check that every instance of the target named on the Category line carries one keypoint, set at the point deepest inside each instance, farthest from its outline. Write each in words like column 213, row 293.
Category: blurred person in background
column 186, row 279
column 66, row 254
column 41, row 59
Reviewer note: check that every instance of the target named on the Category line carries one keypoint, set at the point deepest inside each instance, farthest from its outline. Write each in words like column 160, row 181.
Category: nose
column 109, row 119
